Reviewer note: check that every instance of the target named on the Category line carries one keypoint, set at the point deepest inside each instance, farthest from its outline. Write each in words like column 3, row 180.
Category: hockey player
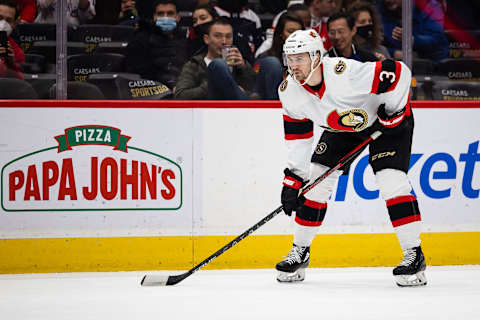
column 349, row 100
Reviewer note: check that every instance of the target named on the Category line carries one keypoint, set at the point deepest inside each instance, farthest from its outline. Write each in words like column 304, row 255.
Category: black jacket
column 358, row 54
column 156, row 56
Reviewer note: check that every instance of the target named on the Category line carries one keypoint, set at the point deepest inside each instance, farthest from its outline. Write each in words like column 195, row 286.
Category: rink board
column 203, row 173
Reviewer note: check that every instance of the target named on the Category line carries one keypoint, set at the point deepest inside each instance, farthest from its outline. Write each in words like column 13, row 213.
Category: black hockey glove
column 391, row 124
column 291, row 187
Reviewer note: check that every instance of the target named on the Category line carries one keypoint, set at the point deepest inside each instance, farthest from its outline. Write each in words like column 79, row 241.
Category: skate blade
column 296, row 276
column 411, row 280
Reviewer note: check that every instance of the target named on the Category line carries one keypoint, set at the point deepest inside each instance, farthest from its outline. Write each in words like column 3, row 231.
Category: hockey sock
column 307, row 222
column 406, row 220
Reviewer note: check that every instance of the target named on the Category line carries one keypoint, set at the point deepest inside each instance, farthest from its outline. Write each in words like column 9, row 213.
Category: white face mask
column 5, row 26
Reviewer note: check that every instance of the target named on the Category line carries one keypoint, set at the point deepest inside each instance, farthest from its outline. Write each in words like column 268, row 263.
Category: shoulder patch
column 283, row 85
column 340, row 67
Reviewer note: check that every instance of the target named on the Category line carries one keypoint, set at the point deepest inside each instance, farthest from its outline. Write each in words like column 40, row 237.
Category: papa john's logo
column 351, row 120
column 91, row 168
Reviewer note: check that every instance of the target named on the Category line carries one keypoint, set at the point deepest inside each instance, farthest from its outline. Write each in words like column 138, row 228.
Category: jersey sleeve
column 298, row 130
column 391, row 81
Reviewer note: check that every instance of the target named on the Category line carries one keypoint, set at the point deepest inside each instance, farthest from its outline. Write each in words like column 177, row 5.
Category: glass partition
column 100, row 64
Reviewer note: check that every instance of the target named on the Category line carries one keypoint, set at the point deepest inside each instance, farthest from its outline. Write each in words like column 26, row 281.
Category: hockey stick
column 159, row 280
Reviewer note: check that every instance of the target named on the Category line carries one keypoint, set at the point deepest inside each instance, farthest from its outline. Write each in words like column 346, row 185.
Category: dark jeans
column 221, row 84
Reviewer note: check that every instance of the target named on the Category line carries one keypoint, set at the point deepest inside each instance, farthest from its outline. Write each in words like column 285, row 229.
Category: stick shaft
column 172, row 280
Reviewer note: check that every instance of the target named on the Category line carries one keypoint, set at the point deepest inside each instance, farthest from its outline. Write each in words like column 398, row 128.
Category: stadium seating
column 82, row 65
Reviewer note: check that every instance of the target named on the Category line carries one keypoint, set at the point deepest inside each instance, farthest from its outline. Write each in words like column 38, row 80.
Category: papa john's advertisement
column 72, row 166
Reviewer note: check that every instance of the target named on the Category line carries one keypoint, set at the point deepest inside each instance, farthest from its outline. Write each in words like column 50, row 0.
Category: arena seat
column 456, row 90
column 11, row 88
column 463, row 43
column 81, row 65
column 106, row 82
column 79, row 91
column 112, row 47
column 460, row 69
column 91, row 35
column 42, row 83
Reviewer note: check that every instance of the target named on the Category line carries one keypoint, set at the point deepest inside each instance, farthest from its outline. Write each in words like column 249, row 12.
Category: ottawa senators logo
column 283, row 85
column 340, row 67
column 350, row 121
column 313, row 34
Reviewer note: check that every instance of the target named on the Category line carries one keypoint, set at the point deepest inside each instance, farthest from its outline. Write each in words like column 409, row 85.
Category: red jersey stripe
column 406, row 220
column 299, row 136
column 315, row 205
column 401, row 199
column 307, row 223
column 376, row 77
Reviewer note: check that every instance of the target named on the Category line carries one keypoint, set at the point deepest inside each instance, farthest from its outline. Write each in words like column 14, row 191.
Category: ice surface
column 339, row 293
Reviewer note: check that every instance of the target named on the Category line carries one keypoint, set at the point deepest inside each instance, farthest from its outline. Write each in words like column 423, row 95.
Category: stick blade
column 154, row 281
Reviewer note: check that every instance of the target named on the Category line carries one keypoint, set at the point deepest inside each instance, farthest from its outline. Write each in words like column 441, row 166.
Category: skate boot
column 410, row 272
column 292, row 268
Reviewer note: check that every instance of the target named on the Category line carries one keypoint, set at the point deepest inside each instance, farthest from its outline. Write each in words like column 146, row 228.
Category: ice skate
column 292, row 268
column 411, row 271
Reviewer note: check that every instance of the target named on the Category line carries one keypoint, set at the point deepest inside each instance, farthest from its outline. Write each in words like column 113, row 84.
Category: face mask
column 202, row 29
column 166, row 24
column 365, row 31
column 5, row 26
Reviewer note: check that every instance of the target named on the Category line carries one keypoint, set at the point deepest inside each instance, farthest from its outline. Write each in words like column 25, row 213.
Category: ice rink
column 340, row 293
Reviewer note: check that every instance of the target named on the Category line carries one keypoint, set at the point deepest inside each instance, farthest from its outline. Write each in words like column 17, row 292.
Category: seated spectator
column 296, row 9
column 122, row 12
column 207, row 75
column 78, row 11
column 271, row 69
column 320, row 10
column 27, row 9
column 158, row 51
column 369, row 30
column 429, row 40
column 10, row 54
column 341, row 30
column 246, row 23
column 202, row 17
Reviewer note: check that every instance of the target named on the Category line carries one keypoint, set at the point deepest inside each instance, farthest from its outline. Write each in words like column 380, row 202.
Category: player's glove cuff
column 292, row 180
column 393, row 120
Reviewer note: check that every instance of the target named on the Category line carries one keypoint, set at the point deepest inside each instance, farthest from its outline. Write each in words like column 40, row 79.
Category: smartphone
column 4, row 42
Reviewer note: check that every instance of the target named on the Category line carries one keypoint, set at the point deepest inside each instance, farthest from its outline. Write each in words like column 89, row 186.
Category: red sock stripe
column 307, row 223
column 406, row 220
column 315, row 205
column 401, row 199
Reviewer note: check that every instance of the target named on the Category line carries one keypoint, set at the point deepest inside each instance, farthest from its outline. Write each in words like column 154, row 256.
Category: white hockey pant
column 395, row 190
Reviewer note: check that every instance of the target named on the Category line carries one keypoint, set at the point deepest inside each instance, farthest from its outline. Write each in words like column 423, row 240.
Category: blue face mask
column 166, row 24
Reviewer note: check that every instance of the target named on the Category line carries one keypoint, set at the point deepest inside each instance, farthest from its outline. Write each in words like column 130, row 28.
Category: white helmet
column 302, row 41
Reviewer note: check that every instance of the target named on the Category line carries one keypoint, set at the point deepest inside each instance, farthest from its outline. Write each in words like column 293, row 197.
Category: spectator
column 246, row 23
column 158, row 52
column 320, row 10
column 11, row 54
column 429, row 40
column 369, row 30
column 202, row 18
column 114, row 12
column 207, row 75
column 271, row 69
column 341, row 30
column 296, row 9
column 27, row 10
column 78, row 11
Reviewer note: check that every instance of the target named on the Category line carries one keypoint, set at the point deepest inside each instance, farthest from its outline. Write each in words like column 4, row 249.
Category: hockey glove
column 291, row 188
column 393, row 123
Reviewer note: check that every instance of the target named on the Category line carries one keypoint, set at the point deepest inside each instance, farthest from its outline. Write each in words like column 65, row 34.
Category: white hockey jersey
column 347, row 101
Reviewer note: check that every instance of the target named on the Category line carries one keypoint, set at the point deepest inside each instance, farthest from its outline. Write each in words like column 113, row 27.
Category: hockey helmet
column 304, row 41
